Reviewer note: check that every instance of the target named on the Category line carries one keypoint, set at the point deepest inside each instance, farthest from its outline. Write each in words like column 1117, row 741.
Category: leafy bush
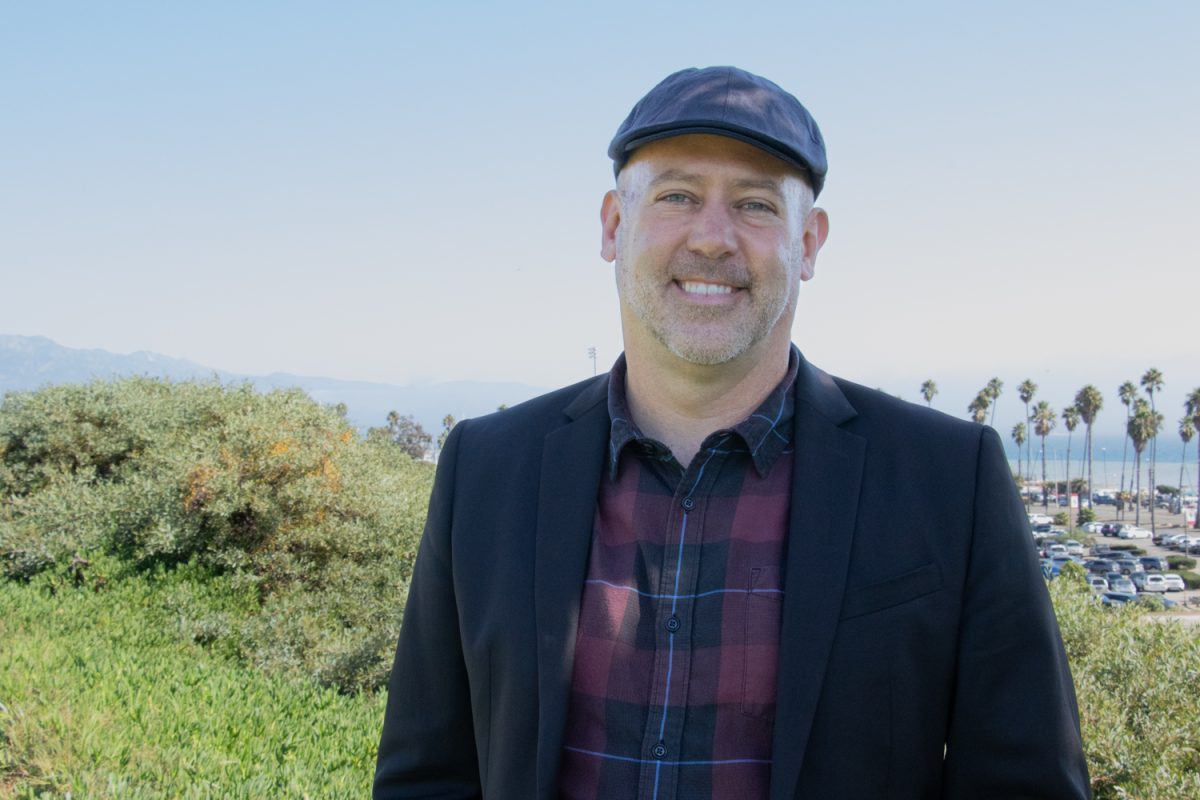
column 103, row 700
column 273, row 488
column 1085, row 516
column 1135, row 683
column 1180, row 562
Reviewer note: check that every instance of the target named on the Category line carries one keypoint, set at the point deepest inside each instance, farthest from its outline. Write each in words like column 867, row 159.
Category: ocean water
column 1106, row 461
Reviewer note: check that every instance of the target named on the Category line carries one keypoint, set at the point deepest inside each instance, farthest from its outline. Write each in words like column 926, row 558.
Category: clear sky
column 409, row 192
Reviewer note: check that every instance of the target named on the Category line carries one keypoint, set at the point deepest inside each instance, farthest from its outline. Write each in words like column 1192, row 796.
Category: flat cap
column 725, row 101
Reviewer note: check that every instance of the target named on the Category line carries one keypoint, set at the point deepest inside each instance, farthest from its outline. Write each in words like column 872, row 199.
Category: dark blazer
column 919, row 654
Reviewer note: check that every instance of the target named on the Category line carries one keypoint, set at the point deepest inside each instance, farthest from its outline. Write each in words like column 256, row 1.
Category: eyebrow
column 680, row 176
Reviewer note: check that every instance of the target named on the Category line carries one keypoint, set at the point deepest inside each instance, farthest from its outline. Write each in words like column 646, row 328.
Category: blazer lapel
column 827, row 478
column 572, row 468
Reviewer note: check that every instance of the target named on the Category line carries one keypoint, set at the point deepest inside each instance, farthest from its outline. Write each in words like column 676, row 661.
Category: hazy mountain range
column 30, row 362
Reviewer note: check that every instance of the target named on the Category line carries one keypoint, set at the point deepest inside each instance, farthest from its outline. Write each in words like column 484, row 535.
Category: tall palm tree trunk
column 1137, row 497
column 1045, row 494
column 1090, row 490
column 1124, row 455
column 1068, row 479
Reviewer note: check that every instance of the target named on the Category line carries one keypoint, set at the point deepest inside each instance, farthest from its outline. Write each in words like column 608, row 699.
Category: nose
column 712, row 234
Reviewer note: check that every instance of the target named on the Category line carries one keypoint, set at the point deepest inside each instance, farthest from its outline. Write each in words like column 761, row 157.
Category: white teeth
column 696, row 287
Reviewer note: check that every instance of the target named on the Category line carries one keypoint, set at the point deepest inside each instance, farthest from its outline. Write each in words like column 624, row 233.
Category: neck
column 680, row 403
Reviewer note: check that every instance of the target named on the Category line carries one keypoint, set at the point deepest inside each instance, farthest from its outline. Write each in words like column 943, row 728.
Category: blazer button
column 672, row 623
column 659, row 750
column 688, row 504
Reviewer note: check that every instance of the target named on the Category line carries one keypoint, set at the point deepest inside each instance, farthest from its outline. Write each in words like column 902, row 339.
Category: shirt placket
column 663, row 738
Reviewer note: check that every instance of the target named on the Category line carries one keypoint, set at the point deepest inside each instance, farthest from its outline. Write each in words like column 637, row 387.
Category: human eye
column 678, row 198
column 757, row 207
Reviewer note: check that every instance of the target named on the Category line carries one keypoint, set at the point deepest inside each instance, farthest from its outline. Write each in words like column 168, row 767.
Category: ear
column 816, row 229
column 610, row 218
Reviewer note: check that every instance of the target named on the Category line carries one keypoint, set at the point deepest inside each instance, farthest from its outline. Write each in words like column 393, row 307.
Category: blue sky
column 408, row 193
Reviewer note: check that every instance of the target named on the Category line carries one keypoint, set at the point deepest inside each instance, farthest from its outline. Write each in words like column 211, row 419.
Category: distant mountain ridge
column 31, row 362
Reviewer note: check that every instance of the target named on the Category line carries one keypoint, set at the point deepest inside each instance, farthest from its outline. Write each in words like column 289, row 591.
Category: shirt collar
column 764, row 434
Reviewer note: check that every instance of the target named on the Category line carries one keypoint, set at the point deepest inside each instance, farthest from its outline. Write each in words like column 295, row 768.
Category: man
column 717, row 571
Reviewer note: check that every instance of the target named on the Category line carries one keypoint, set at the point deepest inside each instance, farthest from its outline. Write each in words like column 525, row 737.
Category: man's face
column 711, row 239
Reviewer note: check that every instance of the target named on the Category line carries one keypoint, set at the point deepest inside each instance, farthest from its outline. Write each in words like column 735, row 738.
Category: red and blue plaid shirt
column 676, row 658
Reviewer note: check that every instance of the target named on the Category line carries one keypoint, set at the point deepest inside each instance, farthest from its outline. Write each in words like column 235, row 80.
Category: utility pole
column 592, row 356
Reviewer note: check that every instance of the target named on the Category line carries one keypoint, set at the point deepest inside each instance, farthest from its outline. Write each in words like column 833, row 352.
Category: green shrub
column 272, row 488
column 1085, row 516
column 103, row 700
column 1062, row 518
column 1135, row 684
column 1180, row 562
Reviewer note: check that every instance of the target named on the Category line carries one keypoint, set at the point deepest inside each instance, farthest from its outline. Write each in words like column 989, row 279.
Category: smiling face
column 711, row 239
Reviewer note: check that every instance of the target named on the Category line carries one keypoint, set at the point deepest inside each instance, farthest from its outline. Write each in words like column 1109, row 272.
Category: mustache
column 711, row 270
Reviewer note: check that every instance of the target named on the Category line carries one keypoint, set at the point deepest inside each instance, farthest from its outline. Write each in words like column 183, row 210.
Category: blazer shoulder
column 539, row 415
column 880, row 412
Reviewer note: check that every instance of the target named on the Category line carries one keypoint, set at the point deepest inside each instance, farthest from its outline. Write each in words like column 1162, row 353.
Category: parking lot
column 1188, row 610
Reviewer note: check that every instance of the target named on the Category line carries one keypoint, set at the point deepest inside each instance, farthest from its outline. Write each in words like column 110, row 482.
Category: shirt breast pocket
column 760, row 673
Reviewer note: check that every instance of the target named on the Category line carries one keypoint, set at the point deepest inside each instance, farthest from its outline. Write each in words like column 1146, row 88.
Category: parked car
column 1052, row 550
column 1100, row 566
column 1074, row 548
column 1154, row 562
column 1174, row 583
column 1098, row 583
column 1119, row 583
column 1132, row 532
column 1153, row 582
column 1127, row 565
column 1117, row 598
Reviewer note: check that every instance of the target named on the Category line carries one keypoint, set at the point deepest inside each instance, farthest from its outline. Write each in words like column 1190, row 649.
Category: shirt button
column 672, row 623
column 688, row 504
column 659, row 750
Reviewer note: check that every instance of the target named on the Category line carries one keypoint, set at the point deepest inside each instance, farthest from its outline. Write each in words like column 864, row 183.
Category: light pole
column 592, row 356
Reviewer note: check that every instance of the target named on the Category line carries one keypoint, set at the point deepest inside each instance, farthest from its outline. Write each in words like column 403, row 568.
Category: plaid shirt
column 676, row 658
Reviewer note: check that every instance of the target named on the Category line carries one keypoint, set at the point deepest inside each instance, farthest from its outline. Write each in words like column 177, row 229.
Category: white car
column 1174, row 583
column 1155, row 583
column 1074, row 548
column 1093, row 527
column 1130, row 532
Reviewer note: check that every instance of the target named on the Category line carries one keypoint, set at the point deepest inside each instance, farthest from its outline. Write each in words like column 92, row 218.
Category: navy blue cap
column 725, row 101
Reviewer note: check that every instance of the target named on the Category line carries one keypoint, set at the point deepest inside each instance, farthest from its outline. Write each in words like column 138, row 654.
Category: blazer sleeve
column 427, row 748
column 1014, row 727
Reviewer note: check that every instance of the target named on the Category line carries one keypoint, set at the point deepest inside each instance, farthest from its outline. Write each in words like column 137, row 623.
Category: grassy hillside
column 104, row 698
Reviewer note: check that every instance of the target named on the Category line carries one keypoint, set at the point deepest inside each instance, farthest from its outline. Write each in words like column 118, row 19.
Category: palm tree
column 1193, row 407
column 1070, row 417
column 928, row 390
column 1187, row 430
column 993, row 389
column 1152, row 382
column 1143, row 426
column 979, row 407
column 1026, row 391
column 1044, row 422
column 1019, row 433
column 1089, row 401
column 1128, row 393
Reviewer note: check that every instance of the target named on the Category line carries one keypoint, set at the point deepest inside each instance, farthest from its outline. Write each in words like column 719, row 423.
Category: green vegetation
column 200, row 589
column 105, row 697
column 1135, row 684
column 272, row 490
